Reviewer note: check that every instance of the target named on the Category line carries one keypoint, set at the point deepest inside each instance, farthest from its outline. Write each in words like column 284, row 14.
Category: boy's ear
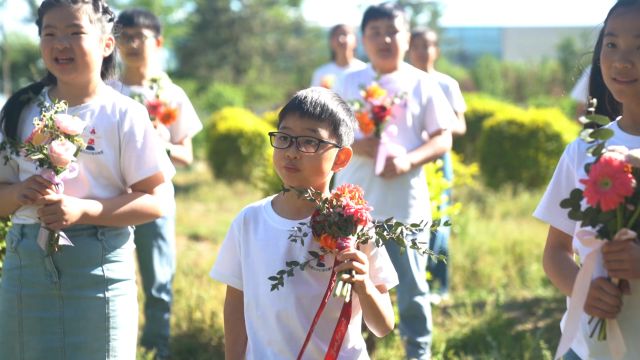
column 159, row 41
column 109, row 45
column 343, row 156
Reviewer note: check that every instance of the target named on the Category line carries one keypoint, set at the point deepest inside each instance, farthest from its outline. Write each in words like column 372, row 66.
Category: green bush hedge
column 238, row 145
column 522, row 148
column 4, row 228
column 479, row 108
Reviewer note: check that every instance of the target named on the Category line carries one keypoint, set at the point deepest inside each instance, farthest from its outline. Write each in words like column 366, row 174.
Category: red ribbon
column 341, row 327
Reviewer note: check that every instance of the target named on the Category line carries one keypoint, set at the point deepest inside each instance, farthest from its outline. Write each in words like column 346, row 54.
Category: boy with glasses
column 139, row 41
column 315, row 130
column 420, row 125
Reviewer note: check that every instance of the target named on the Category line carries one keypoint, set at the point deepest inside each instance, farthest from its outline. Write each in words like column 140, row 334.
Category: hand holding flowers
column 53, row 145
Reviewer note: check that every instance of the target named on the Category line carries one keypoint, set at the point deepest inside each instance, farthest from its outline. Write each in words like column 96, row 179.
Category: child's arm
column 181, row 153
column 23, row 193
column 377, row 310
column 459, row 126
column 604, row 300
column 438, row 144
column 144, row 203
column 235, row 333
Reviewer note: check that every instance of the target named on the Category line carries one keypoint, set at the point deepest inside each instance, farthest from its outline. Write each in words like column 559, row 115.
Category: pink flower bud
column 68, row 124
column 61, row 152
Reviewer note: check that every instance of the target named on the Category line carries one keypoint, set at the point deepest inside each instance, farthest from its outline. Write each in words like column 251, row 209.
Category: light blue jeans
column 413, row 299
column 156, row 249
column 78, row 303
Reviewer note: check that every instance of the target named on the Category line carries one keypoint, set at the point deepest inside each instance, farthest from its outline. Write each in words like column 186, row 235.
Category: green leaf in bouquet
column 601, row 134
column 596, row 150
column 567, row 203
column 598, row 119
column 586, row 135
column 575, row 215
column 274, row 278
column 314, row 254
column 292, row 263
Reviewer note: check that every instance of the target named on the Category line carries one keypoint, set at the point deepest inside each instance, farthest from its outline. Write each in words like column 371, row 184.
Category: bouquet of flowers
column 53, row 145
column 373, row 113
column 342, row 220
column 609, row 203
column 328, row 81
column 160, row 109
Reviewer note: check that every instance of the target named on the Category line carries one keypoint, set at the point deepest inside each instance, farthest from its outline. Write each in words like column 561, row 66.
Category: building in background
column 464, row 45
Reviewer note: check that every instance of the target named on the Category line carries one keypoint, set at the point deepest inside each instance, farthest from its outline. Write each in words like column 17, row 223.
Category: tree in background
column 263, row 46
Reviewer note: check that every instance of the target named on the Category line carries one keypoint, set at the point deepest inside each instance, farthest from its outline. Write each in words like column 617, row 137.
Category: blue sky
column 476, row 12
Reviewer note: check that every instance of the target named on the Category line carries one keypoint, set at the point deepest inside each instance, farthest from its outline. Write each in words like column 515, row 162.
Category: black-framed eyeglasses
column 139, row 38
column 305, row 144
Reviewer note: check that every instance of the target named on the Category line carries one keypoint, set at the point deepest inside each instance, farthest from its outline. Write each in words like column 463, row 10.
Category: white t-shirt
column 277, row 322
column 330, row 73
column 580, row 91
column 569, row 171
column 425, row 111
column 451, row 90
column 121, row 150
column 188, row 123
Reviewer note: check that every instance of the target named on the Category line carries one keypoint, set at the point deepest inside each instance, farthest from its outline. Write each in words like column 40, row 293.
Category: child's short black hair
column 325, row 106
column 139, row 18
column 387, row 11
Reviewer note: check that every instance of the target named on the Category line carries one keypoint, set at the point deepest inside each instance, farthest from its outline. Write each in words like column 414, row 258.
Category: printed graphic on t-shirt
column 93, row 143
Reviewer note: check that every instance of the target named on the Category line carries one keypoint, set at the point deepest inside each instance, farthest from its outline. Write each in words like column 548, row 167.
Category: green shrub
column 479, row 108
column 237, row 145
column 522, row 148
column 4, row 228
column 463, row 176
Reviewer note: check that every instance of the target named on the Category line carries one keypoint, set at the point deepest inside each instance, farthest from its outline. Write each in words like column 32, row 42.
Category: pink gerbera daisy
column 609, row 182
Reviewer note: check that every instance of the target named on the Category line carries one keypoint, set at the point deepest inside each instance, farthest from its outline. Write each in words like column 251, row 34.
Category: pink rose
column 61, row 152
column 68, row 124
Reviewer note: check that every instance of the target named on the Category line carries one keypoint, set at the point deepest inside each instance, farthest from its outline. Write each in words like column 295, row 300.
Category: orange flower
column 168, row 116
column 328, row 81
column 38, row 136
column 374, row 92
column 327, row 242
column 366, row 124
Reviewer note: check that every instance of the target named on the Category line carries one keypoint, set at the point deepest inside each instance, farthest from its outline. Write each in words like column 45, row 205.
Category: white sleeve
column 580, row 91
column 188, row 123
column 437, row 113
column 381, row 270
column 455, row 97
column 228, row 266
column 563, row 181
column 315, row 79
column 141, row 154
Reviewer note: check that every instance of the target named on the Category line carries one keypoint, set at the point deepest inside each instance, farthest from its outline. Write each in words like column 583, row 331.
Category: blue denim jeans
column 571, row 355
column 156, row 249
column 78, row 303
column 439, row 244
column 413, row 299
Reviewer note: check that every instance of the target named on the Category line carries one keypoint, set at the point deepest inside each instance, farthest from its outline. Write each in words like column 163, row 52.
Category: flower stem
column 619, row 211
column 634, row 217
